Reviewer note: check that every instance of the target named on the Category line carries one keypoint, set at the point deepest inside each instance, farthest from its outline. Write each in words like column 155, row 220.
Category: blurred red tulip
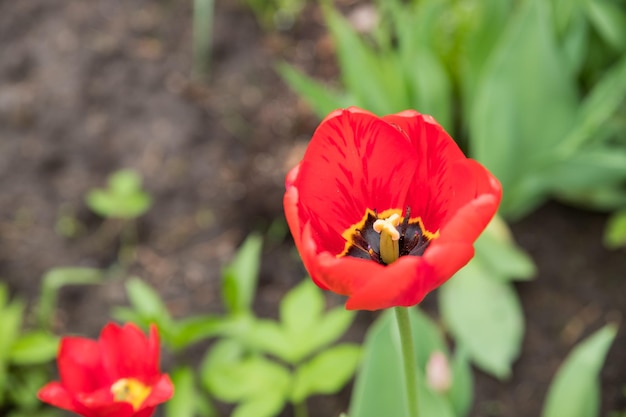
column 116, row 376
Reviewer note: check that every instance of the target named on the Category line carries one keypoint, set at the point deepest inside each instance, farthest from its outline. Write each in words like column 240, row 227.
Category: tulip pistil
column 389, row 237
column 131, row 391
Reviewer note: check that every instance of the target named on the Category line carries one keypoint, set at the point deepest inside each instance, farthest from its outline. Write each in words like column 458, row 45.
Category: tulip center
column 131, row 391
column 385, row 237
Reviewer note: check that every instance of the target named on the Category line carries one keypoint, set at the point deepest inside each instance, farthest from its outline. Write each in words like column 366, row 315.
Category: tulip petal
column 162, row 390
column 80, row 365
column 127, row 353
column 403, row 283
column 355, row 161
column 57, row 395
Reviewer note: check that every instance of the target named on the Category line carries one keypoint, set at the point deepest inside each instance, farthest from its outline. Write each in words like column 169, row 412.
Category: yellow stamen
column 131, row 391
column 389, row 236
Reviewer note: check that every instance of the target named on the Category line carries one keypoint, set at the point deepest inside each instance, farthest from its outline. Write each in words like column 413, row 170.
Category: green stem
column 300, row 410
column 408, row 355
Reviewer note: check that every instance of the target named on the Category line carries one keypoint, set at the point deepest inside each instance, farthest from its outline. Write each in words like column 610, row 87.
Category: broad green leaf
column 320, row 97
column 615, row 231
column 184, row 401
column 232, row 376
column 461, row 393
column 575, row 390
column 609, row 20
column 145, row 299
column 123, row 198
column 10, row 326
column 326, row 373
column 610, row 197
column 34, row 348
column 301, row 308
column 268, row 405
column 57, row 278
column 525, row 102
column 328, row 328
column 501, row 256
column 269, row 337
column 303, row 330
column 588, row 169
column 382, row 362
column 427, row 337
column 485, row 317
column 239, row 278
column 193, row 329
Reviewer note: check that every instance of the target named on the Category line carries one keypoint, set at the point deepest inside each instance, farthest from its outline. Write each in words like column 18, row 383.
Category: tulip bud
column 438, row 374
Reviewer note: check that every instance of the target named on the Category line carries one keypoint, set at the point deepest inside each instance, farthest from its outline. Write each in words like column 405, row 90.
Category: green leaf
column 329, row 328
column 145, row 300
column 501, row 257
column 232, row 376
column 524, row 104
column 193, row 329
column 34, row 348
column 326, row 373
column 615, row 231
column 10, row 326
column 575, row 390
column 301, row 308
column 427, row 337
column 321, row 98
column 370, row 397
column 239, row 278
column 609, row 20
column 303, row 330
column 122, row 199
column 183, row 403
column 489, row 20
column 425, row 75
column 485, row 317
column 57, row 278
column 269, row 337
column 382, row 358
column 263, row 406
column 597, row 108
column 374, row 79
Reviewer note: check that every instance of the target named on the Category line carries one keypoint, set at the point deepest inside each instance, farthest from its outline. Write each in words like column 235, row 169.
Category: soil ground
column 87, row 88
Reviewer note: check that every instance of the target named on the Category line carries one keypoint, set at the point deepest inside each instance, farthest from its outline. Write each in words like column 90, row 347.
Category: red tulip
column 386, row 209
column 115, row 376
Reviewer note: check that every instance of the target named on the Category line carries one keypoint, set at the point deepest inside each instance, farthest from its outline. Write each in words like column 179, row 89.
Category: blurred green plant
column 122, row 201
column 203, row 11
column 615, row 230
column 574, row 391
column 258, row 363
column 26, row 354
column 276, row 14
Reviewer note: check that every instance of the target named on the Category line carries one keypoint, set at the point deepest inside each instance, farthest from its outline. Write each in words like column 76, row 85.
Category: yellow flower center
column 131, row 391
column 389, row 237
